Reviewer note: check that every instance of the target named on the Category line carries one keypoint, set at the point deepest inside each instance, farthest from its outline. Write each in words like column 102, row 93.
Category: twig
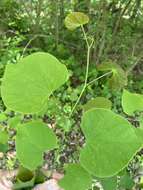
column 27, row 45
column 134, row 65
column 89, row 46
column 85, row 36
column 104, row 75
column 43, row 36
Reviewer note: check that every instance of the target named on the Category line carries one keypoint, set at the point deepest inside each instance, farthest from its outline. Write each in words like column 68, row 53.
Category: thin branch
column 27, row 45
column 120, row 17
column 134, row 65
column 89, row 45
column 43, row 36
column 104, row 75
column 85, row 36
column 27, row 11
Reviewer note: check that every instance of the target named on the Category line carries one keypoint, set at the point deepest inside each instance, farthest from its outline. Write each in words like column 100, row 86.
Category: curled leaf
column 118, row 79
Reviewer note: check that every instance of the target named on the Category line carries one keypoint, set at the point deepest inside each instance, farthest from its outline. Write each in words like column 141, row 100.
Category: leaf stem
column 85, row 36
column 91, row 82
column 134, row 65
column 89, row 46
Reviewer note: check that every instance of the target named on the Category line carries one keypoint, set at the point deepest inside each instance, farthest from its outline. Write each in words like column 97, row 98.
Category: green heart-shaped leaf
column 111, row 142
column 118, row 79
column 27, row 85
column 32, row 139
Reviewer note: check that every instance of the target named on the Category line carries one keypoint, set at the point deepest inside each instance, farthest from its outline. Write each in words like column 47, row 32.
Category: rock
column 5, row 182
column 48, row 185
column 57, row 176
column 3, row 187
column 1, row 155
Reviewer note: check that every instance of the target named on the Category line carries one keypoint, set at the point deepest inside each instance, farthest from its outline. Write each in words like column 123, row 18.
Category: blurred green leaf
column 118, row 79
column 32, row 139
column 105, row 133
column 3, row 117
column 24, row 174
column 14, row 121
column 3, row 137
column 3, row 147
column 75, row 178
column 76, row 19
column 126, row 182
column 109, row 183
column 98, row 102
column 131, row 102
column 28, row 84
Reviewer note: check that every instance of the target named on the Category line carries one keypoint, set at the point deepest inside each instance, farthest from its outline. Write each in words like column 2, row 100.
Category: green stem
column 87, row 69
column 27, row 45
column 89, row 46
column 88, row 84
column 134, row 65
column 85, row 36
column 87, row 66
column 82, row 91
column 91, row 82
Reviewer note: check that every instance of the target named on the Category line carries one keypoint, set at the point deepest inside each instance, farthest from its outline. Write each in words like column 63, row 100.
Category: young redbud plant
column 111, row 141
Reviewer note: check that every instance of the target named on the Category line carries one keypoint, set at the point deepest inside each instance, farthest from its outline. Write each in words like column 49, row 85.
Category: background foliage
column 38, row 25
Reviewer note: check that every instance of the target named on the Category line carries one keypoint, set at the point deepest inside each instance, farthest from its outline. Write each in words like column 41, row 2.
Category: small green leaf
column 27, row 85
column 3, row 137
column 75, row 178
column 98, row 102
column 109, row 183
column 76, row 19
column 14, row 121
column 32, row 139
column 3, row 141
column 107, row 134
column 126, row 182
column 132, row 102
column 3, row 147
column 3, row 117
column 64, row 123
column 118, row 79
